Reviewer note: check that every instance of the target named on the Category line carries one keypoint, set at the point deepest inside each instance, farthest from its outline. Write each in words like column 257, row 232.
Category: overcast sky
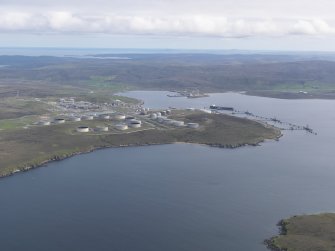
column 195, row 24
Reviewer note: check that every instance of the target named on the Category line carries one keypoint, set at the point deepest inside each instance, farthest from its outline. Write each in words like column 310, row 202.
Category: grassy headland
column 22, row 149
column 305, row 233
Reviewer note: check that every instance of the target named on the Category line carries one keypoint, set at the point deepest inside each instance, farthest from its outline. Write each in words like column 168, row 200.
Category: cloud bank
column 191, row 25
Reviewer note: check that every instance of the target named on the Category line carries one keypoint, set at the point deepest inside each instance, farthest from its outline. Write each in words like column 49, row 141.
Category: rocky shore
column 271, row 243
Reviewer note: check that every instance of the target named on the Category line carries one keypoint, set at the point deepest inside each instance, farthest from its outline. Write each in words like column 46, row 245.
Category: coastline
column 271, row 243
column 57, row 158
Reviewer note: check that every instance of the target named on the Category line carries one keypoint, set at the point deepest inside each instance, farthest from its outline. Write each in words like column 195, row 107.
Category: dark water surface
column 177, row 197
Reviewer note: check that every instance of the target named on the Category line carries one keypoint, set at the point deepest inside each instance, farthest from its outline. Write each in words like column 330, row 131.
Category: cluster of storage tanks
column 127, row 122
column 160, row 117
column 160, row 114
column 84, row 117
column 130, row 122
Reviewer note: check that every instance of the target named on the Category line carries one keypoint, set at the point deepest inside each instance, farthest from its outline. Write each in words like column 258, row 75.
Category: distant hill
column 206, row 72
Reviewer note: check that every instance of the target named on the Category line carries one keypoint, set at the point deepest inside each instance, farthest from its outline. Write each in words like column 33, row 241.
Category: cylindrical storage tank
column 158, row 114
column 168, row 112
column 102, row 129
column 121, row 127
column 44, row 123
column 178, row 123
column 135, row 124
column 153, row 116
column 163, row 113
column 88, row 117
column 129, row 118
column 206, row 110
column 169, row 121
column 75, row 119
column 193, row 125
column 119, row 116
column 135, row 121
column 59, row 121
column 83, row 129
column 105, row 116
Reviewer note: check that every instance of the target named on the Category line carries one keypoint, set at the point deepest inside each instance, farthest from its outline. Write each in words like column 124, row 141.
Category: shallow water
column 177, row 197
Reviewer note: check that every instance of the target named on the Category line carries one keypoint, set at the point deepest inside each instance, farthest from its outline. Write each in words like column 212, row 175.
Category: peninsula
column 32, row 146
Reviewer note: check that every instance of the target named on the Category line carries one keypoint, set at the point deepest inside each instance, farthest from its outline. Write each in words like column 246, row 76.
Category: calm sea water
column 177, row 197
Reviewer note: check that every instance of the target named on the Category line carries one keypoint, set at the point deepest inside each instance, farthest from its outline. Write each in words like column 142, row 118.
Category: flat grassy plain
column 23, row 149
column 306, row 233
column 16, row 107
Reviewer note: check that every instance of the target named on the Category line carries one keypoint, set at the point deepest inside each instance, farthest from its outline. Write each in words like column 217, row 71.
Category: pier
column 273, row 120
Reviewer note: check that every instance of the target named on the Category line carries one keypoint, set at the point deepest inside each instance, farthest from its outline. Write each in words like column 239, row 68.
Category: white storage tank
column 161, row 119
column 129, row 118
column 135, row 121
column 44, row 123
column 158, row 114
column 153, row 116
column 193, row 125
column 102, row 128
column 59, row 121
column 119, row 116
column 206, row 110
column 135, row 124
column 178, row 123
column 75, row 119
column 83, row 129
column 121, row 127
column 163, row 113
column 88, row 117
column 105, row 116
column 169, row 121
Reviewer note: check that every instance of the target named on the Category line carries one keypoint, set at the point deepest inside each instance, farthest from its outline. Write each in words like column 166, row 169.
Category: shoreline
column 270, row 243
column 73, row 154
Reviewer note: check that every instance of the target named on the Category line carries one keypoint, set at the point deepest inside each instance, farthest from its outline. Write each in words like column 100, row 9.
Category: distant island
column 305, row 232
